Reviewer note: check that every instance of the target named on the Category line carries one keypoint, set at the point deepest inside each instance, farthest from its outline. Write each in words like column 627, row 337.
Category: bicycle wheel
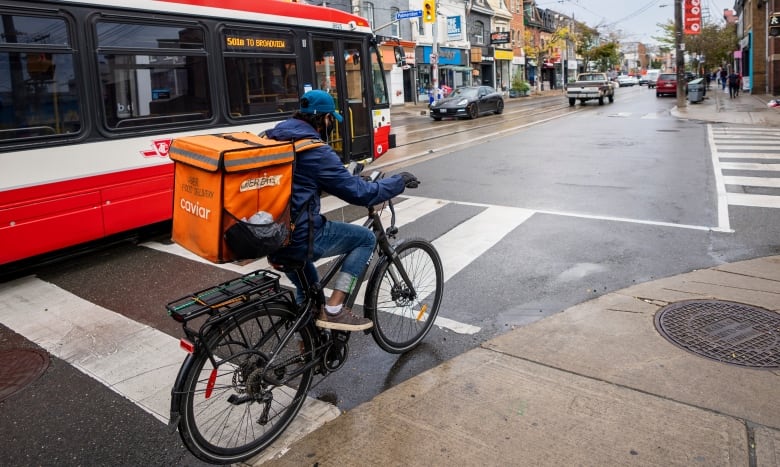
column 231, row 412
column 401, row 320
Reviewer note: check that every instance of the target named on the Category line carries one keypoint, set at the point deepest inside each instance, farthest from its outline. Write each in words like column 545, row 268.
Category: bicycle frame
column 314, row 292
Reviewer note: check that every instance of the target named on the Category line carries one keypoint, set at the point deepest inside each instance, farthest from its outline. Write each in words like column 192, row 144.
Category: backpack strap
column 308, row 207
column 307, row 143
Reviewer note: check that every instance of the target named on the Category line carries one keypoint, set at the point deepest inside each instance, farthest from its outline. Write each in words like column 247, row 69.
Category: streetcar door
column 340, row 70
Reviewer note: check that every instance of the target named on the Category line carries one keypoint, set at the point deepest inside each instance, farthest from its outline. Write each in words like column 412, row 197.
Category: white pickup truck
column 590, row 86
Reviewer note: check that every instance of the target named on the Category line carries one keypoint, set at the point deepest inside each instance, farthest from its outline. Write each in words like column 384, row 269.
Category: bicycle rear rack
column 220, row 302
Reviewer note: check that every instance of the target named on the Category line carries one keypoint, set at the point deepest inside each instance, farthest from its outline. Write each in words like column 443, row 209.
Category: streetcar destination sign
column 408, row 14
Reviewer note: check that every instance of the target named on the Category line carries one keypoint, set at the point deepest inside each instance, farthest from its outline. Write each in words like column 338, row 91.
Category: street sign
column 408, row 14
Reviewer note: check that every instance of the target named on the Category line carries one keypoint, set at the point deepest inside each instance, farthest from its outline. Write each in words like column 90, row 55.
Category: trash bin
column 696, row 90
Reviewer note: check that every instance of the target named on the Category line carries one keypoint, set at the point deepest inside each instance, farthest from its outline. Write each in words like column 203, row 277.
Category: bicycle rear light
column 188, row 346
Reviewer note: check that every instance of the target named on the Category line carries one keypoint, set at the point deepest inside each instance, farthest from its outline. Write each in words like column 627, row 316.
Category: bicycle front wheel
column 402, row 315
column 233, row 410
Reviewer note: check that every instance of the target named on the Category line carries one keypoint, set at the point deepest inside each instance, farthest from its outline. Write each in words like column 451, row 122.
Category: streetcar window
column 261, row 73
column 31, row 30
column 378, row 78
column 39, row 95
column 168, row 83
column 145, row 36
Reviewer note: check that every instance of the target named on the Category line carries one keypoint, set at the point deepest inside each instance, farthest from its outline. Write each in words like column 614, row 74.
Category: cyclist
column 317, row 170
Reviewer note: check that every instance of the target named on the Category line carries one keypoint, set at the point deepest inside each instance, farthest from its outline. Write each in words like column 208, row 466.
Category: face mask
column 327, row 131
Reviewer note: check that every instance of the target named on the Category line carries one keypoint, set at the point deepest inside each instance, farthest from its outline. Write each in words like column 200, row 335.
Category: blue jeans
column 337, row 238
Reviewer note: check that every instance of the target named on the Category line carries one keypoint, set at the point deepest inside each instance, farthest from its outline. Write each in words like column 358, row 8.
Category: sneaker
column 344, row 320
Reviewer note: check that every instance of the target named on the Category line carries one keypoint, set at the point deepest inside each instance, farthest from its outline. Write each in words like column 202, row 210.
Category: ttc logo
column 161, row 147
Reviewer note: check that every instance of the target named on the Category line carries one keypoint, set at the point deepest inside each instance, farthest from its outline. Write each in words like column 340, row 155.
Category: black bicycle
column 254, row 352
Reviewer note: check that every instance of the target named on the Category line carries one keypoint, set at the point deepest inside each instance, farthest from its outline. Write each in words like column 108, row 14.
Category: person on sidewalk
column 739, row 84
column 723, row 78
column 320, row 169
column 733, row 82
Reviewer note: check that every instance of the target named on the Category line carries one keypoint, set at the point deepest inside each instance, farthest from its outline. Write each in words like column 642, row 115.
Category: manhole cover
column 728, row 332
column 20, row 367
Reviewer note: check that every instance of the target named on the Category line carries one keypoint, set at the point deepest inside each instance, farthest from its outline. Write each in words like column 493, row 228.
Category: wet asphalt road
column 617, row 194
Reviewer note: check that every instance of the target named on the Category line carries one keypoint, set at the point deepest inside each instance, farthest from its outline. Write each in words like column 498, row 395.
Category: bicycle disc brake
column 401, row 295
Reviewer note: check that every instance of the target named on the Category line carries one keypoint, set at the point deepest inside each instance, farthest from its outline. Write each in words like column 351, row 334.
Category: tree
column 592, row 49
column 586, row 40
column 714, row 44
column 541, row 49
column 607, row 55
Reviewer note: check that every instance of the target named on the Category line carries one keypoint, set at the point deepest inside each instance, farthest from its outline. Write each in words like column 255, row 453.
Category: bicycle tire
column 219, row 431
column 401, row 323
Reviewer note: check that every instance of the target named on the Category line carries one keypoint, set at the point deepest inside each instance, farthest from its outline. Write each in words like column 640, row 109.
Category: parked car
column 468, row 101
column 666, row 84
column 626, row 80
column 652, row 78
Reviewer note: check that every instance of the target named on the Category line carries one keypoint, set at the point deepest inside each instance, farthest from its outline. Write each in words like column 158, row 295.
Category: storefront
column 503, row 60
column 451, row 64
column 517, row 69
column 482, row 63
column 399, row 79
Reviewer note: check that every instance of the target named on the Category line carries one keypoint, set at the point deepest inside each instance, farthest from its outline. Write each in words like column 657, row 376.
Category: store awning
column 455, row 67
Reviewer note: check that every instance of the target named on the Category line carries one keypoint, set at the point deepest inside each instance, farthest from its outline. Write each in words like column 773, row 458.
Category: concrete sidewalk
column 603, row 383
column 718, row 107
column 596, row 384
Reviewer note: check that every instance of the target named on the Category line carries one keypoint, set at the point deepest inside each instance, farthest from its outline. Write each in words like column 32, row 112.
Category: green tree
column 586, row 40
column 714, row 44
column 607, row 55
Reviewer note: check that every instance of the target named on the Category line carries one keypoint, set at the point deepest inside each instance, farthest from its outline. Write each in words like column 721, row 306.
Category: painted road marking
column 130, row 358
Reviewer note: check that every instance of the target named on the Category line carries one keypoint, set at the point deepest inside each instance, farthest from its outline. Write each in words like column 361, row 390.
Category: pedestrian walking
column 739, row 84
column 723, row 75
column 733, row 80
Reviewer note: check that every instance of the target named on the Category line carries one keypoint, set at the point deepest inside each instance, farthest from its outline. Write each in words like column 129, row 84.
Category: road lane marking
column 757, row 201
column 720, row 187
column 753, row 181
column 132, row 359
column 407, row 211
column 749, row 155
column 749, row 166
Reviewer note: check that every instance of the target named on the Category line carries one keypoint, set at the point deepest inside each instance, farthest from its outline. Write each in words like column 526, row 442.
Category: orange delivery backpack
column 232, row 192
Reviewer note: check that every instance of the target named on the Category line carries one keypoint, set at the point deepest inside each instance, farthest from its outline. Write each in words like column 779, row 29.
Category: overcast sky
column 636, row 19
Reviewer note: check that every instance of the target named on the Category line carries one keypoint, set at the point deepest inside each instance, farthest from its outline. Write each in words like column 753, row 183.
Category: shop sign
column 692, row 17
column 499, row 37
column 454, row 28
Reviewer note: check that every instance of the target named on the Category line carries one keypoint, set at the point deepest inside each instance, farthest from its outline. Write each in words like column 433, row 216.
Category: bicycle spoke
column 244, row 412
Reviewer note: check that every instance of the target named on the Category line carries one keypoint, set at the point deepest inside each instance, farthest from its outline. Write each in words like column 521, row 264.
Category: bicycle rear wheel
column 232, row 412
column 402, row 317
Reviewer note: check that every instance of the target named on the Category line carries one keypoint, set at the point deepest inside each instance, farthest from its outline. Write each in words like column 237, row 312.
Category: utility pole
column 435, row 54
column 678, row 53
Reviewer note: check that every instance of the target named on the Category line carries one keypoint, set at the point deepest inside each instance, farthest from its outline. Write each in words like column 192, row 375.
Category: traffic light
column 429, row 11
column 774, row 25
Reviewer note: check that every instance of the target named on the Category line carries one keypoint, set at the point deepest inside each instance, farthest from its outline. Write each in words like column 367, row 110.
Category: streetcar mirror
column 400, row 55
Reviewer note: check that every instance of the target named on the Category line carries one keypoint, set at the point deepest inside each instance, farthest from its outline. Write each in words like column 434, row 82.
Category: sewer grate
column 728, row 332
column 19, row 368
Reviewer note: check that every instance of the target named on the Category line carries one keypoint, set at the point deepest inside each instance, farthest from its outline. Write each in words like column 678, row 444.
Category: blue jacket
column 320, row 169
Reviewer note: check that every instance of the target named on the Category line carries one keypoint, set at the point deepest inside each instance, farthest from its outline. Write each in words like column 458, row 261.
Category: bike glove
column 410, row 181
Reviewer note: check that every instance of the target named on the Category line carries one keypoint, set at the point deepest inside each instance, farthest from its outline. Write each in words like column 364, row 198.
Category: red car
column 666, row 84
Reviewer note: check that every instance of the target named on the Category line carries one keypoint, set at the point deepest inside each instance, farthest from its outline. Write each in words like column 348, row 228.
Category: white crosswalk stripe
column 740, row 150
column 132, row 359
column 457, row 248
column 141, row 363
